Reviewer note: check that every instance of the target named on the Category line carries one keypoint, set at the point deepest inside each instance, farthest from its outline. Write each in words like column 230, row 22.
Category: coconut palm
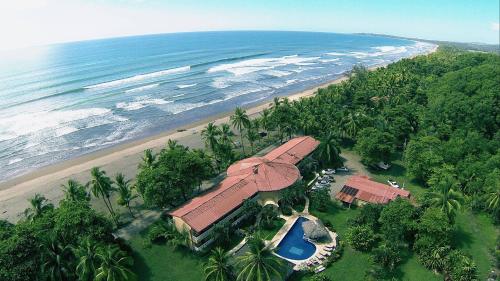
column 87, row 260
column 265, row 120
column 39, row 205
column 493, row 190
column 180, row 239
column 240, row 121
column 217, row 268
column 102, row 186
column 226, row 134
column 211, row 134
column 56, row 261
column 351, row 125
column 445, row 197
column 148, row 159
column 125, row 195
column 74, row 191
column 114, row 265
column 258, row 264
column 172, row 144
column 328, row 151
column 252, row 137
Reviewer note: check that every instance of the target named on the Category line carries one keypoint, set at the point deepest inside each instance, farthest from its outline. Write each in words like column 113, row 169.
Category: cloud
column 495, row 26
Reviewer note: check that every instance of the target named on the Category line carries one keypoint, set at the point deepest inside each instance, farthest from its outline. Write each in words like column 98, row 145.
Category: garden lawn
column 268, row 234
column 476, row 235
column 161, row 262
column 353, row 264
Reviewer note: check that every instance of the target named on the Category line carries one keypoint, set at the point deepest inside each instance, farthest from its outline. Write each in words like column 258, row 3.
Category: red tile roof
column 369, row 191
column 294, row 150
column 245, row 178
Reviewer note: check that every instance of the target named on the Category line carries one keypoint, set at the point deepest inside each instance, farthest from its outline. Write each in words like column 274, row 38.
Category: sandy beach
column 14, row 193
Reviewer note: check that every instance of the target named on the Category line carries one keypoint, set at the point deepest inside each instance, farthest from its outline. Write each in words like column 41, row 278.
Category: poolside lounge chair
column 326, row 254
column 319, row 269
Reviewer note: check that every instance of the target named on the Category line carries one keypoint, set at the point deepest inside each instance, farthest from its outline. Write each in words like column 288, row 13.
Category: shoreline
column 124, row 158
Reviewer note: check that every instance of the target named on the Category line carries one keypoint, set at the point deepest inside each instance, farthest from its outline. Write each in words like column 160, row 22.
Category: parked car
column 383, row 165
column 328, row 172
column 393, row 183
column 343, row 169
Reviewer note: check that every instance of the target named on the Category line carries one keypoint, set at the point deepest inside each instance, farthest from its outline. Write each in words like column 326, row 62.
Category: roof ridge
column 300, row 141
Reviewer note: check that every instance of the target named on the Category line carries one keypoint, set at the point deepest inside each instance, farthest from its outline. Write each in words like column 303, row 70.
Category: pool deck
column 290, row 220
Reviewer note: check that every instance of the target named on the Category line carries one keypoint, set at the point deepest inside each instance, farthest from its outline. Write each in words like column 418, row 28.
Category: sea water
column 66, row 100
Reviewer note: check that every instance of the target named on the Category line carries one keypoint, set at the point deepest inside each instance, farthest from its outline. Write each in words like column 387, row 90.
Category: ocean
column 66, row 100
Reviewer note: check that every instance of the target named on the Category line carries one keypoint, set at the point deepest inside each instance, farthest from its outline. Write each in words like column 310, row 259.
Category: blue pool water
column 293, row 246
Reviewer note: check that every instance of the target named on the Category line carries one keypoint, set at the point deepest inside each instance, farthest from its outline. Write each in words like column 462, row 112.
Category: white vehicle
column 328, row 172
column 393, row 183
column 343, row 169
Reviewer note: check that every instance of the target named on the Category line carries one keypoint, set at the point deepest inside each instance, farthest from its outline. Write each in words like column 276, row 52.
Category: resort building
column 361, row 190
column 258, row 178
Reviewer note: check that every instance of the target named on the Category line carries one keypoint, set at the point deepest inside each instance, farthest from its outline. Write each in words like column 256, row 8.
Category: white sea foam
column 278, row 73
column 142, row 88
column 186, row 86
column 337, row 54
column 135, row 105
column 291, row 81
column 15, row 160
column 329, row 60
column 179, row 95
column 255, row 65
column 140, row 77
column 59, row 132
column 28, row 123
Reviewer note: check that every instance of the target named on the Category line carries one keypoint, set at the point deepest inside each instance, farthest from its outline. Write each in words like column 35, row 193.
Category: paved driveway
column 353, row 162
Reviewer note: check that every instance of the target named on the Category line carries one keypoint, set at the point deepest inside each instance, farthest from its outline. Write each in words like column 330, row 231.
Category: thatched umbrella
column 314, row 230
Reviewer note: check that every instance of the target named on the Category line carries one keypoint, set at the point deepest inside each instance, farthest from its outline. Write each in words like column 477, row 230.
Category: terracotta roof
column 294, row 150
column 244, row 179
column 362, row 188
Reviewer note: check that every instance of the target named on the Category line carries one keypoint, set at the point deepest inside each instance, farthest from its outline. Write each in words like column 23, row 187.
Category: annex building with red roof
column 257, row 178
column 361, row 190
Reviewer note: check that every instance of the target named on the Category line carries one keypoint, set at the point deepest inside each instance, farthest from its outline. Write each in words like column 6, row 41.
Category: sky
column 39, row 22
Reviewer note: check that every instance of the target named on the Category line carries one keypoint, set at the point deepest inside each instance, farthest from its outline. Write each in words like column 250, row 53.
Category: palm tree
column 87, row 260
column 258, row 264
column 252, row 136
column 172, row 144
column 74, row 191
column 493, row 198
column 102, row 186
column 210, row 134
column 148, row 159
column 39, row 205
column 114, row 265
column 445, row 197
column 351, row 125
column 217, row 267
column 226, row 134
column 180, row 239
column 124, row 192
column 56, row 260
column 265, row 120
column 240, row 121
column 328, row 151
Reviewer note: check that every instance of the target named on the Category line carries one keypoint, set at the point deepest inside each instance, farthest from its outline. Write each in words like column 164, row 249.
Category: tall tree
column 217, row 268
column 328, row 152
column 148, row 159
column 265, row 121
column 56, row 260
column 87, row 259
column 114, row 265
column 74, row 191
column 240, row 121
column 259, row 264
column 125, row 194
column 445, row 197
column 39, row 205
column 102, row 186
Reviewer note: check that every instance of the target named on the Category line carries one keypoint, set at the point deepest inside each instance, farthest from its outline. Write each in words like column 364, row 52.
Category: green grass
column 268, row 233
column 163, row 263
column 353, row 265
column 476, row 235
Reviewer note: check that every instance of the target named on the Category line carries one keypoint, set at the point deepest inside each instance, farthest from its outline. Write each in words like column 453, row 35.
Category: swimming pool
column 293, row 246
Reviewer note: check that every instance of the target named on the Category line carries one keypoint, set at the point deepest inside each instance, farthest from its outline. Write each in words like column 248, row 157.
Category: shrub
column 360, row 237
column 321, row 277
